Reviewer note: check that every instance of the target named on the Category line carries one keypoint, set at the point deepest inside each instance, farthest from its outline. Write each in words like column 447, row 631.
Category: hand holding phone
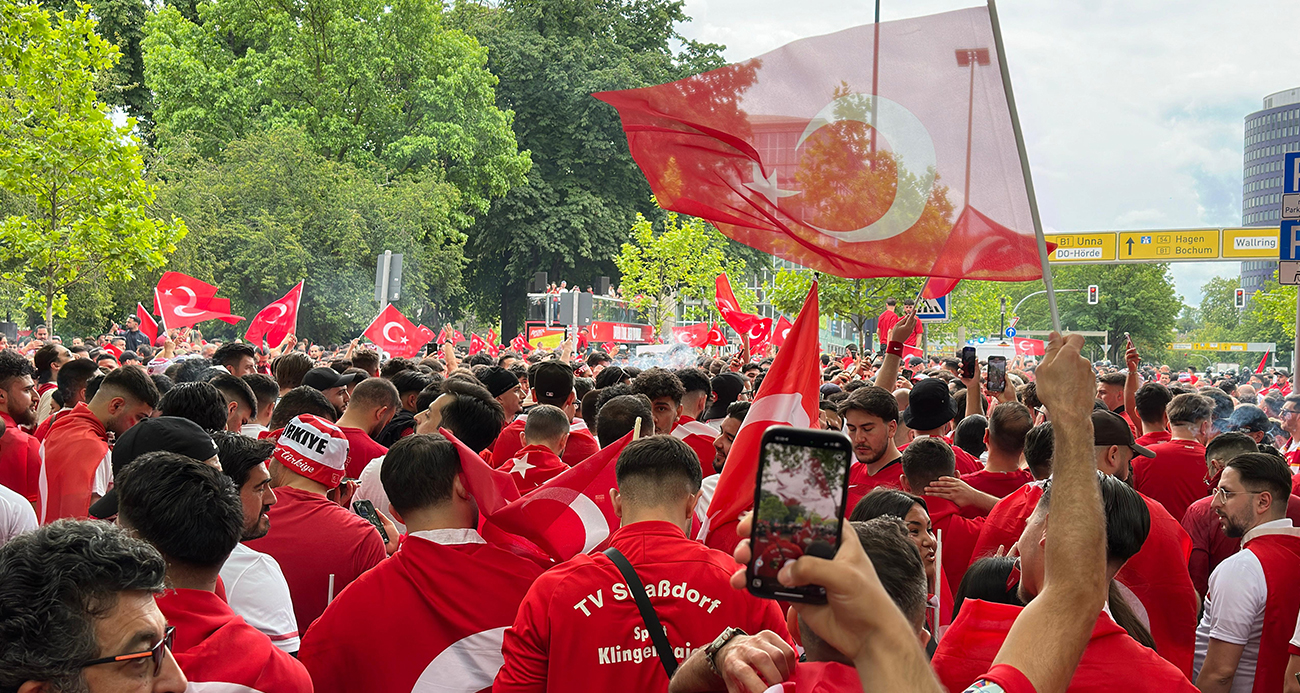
column 366, row 510
column 997, row 380
column 969, row 362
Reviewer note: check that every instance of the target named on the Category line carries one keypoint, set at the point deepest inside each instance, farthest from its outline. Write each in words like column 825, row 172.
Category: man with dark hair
column 551, row 382
column 432, row 591
column 266, row 392
column 372, row 406
column 192, row 514
column 698, row 392
column 1252, row 601
column 696, row 396
column 132, row 336
column 925, row 461
column 545, row 434
column 199, row 402
column 504, row 387
column 90, row 586
column 77, row 443
column 255, row 584
column 296, row 402
column 238, row 358
column 158, row 434
column 409, row 384
column 290, row 369
column 241, row 403
column 1110, row 390
column 597, row 361
column 49, row 359
column 932, row 411
column 727, row 388
column 332, row 384
column 728, row 429
column 20, row 453
column 1175, row 477
column 73, row 379
column 1008, row 424
column 618, row 416
column 566, row 617
column 367, row 360
column 1151, row 402
column 870, row 419
column 321, row 546
column 1038, row 450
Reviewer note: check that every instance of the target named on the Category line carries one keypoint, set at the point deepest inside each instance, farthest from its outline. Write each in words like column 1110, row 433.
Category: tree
column 858, row 301
column 75, row 178
column 680, row 263
column 584, row 190
column 121, row 23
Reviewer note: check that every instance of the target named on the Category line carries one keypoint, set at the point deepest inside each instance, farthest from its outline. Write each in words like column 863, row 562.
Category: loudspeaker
column 539, row 284
column 602, row 286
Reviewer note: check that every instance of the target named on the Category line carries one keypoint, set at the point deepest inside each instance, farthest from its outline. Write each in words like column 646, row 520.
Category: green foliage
column 584, row 190
column 76, row 192
column 270, row 211
column 368, row 81
column 121, row 23
column 854, row 300
column 1273, row 308
column 680, row 263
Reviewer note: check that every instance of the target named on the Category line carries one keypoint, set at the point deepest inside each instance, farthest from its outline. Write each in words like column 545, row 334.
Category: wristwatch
column 711, row 650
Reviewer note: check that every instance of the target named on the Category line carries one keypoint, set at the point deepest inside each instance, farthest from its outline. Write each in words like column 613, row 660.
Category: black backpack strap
column 648, row 615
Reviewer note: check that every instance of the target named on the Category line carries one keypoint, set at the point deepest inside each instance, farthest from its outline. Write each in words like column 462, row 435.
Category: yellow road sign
column 1258, row 243
column 1169, row 245
column 1083, row 247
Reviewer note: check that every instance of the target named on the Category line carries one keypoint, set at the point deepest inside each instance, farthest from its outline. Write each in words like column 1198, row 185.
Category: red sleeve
column 1198, row 563
column 526, row 646
column 1007, row 677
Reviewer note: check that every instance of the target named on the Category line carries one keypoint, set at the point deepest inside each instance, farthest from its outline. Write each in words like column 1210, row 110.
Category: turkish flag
column 609, row 347
column 392, row 332
column 788, row 397
column 184, row 301
column 696, row 335
column 423, row 335
column 716, row 338
column 442, row 335
column 802, row 153
column 781, row 330
column 729, row 308
column 492, row 337
column 1029, row 347
column 939, row 286
column 275, row 322
column 520, row 344
column 148, row 325
column 570, row 514
column 476, row 343
column 456, row 335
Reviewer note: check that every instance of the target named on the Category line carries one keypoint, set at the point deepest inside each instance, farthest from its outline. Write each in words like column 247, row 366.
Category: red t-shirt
column 510, row 441
column 884, row 324
column 822, row 677
column 75, row 446
column 313, row 538
column 959, row 536
column 700, row 437
column 362, row 450
column 1175, row 477
column 1000, row 484
column 1210, row 546
column 861, row 482
column 1006, row 677
column 534, row 466
column 20, row 461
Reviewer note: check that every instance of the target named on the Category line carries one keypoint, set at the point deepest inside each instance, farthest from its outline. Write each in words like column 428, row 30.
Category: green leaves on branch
column 80, row 204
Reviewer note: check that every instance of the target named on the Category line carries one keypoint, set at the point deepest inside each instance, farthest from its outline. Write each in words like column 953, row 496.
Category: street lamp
column 970, row 57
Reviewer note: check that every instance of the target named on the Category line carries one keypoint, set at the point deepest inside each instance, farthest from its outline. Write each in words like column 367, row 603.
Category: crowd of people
column 189, row 515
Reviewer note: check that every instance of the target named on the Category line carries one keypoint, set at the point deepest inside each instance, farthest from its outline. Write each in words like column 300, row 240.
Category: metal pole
column 875, row 80
column 1024, row 165
column 383, row 292
column 970, row 125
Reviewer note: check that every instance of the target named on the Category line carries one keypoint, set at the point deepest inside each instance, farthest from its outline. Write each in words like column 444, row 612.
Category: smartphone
column 366, row 510
column 997, row 381
column 969, row 362
column 799, row 497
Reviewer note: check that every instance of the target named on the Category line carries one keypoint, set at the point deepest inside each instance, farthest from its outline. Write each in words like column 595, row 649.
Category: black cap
column 499, row 381
column 552, row 380
column 163, row 434
column 325, row 378
column 1109, row 429
column 929, row 405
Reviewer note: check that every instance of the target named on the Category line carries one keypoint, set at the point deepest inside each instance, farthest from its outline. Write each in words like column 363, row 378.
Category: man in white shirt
column 16, row 515
column 255, row 585
column 1250, row 501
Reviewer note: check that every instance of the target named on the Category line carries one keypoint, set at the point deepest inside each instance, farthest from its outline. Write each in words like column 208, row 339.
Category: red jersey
column 1000, row 484
column 1210, row 546
column 1175, row 477
column 76, row 444
column 1112, row 660
column 20, row 462
column 884, row 324
column 578, row 629
column 362, row 450
column 700, row 437
column 821, row 677
column 959, row 536
column 1278, row 552
column 43, row 428
column 1150, row 439
column 861, row 482
column 213, row 645
column 313, row 538
column 510, row 441
column 966, row 463
column 534, row 466
column 430, row 596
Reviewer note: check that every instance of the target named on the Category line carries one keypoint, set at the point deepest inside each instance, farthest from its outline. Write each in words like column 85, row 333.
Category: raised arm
column 887, row 376
column 1048, row 638
column 1132, row 360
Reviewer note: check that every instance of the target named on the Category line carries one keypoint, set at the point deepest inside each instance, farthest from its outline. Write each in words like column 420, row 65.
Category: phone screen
column 968, row 362
column 997, row 373
column 798, row 506
column 367, row 511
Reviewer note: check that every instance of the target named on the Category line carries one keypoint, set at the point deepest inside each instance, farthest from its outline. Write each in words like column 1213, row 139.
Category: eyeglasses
column 1284, row 412
column 158, row 652
column 1226, row 495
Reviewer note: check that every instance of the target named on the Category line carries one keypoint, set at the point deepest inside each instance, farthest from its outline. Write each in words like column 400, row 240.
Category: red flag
column 442, row 335
column 184, row 301
column 476, row 343
column 1029, row 347
column 456, row 336
column 492, row 337
column 274, row 322
column 716, row 338
column 520, row 344
column 423, row 335
column 939, row 286
column 609, row 347
column 788, row 397
column 780, row 152
column 729, row 308
column 1260, row 368
column 696, row 335
column 781, row 330
column 392, row 332
column 148, row 325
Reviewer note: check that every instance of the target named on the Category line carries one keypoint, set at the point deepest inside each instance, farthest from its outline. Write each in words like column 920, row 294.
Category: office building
column 1270, row 134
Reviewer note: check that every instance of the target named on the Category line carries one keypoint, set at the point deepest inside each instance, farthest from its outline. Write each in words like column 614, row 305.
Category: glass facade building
column 1270, row 134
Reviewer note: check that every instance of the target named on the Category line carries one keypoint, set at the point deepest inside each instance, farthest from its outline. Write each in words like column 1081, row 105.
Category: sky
column 1133, row 111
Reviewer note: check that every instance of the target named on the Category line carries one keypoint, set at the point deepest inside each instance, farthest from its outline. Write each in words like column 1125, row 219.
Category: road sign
column 1289, row 243
column 1249, row 243
column 1170, row 245
column 1165, row 245
column 1288, row 273
column 1291, row 173
column 1291, row 205
column 1083, row 247
column 1009, row 332
column 933, row 309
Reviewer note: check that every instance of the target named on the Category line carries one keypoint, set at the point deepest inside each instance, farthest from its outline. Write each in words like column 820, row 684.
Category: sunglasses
column 157, row 653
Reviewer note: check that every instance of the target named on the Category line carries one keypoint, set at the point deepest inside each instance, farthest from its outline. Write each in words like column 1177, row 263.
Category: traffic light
column 1092, row 294
column 1240, row 299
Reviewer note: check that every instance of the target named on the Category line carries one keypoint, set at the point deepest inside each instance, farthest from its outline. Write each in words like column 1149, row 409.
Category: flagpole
column 1024, row 165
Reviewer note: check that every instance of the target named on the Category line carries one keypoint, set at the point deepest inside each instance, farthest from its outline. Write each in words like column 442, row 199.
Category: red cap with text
column 313, row 447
